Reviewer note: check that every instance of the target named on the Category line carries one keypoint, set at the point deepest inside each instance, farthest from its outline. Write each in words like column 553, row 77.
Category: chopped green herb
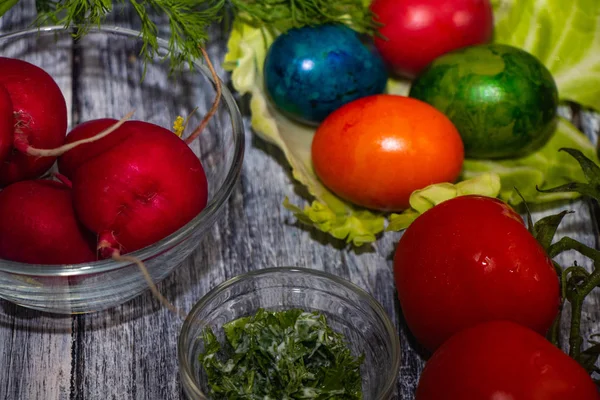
column 281, row 355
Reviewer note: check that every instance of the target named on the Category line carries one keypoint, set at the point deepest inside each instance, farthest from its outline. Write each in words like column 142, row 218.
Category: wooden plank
column 130, row 351
column 35, row 348
column 35, row 354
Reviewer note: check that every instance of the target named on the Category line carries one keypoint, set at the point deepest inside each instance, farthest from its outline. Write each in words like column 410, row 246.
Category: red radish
column 139, row 191
column 418, row 31
column 39, row 117
column 72, row 159
column 39, row 225
column 157, row 198
column 6, row 123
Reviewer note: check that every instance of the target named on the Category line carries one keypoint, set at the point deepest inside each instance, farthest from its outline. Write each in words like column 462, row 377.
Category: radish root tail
column 24, row 147
column 107, row 245
column 215, row 104
column 118, row 257
column 63, row 179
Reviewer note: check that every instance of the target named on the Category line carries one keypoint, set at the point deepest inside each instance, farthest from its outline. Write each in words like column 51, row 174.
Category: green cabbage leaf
column 564, row 35
column 247, row 48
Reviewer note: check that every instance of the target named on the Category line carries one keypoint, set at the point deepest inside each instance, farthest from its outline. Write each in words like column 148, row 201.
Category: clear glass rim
column 205, row 217
column 185, row 369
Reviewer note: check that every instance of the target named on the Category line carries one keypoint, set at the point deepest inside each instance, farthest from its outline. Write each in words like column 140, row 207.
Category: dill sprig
column 189, row 20
column 285, row 14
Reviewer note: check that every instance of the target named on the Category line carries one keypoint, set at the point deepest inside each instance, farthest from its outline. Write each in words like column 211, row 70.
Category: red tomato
column 501, row 360
column 418, row 31
column 376, row 150
column 469, row 260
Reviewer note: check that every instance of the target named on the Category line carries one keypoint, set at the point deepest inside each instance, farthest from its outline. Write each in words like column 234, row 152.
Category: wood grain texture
column 35, row 348
column 129, row 352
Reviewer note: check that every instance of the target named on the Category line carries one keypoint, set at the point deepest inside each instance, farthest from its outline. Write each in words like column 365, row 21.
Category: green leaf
column 399, row 222
column 289, row 354
column 282, row 15
column 6, row 5
column 588, row 167
column 357, row 227
column 589, row 357
column 545, row 229
column 234, row 330
column 398, row 86
column 247, row 48
column 591, row 172
column 575, row 187
column 530, row 225
column 564, row 35
column 547, row 167
column 211, row 344
column 189, row 20
column 487, row 184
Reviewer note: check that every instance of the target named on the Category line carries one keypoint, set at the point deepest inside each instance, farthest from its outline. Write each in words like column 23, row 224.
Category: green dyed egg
column 502, row 100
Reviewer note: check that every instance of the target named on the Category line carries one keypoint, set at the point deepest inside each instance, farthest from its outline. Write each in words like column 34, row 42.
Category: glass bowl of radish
column 112, row 166
column 288, row 332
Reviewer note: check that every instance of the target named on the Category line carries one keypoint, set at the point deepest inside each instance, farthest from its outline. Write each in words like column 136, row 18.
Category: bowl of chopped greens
column 288, row 333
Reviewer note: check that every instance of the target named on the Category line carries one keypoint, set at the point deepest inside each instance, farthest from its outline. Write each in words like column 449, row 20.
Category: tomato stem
column 555, row 328
column 566, row 243
column 576, row 281
column 581, row 283
column 575, row 339
column 576, row 284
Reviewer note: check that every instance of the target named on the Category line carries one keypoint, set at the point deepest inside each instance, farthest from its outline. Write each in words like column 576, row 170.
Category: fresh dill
column 189, row 20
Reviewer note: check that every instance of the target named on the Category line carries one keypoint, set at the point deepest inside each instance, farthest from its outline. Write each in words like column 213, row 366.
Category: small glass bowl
column 347, row 308
column 100, row 76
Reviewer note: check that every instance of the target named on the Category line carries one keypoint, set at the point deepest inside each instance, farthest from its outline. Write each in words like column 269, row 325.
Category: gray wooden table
column 129, row 352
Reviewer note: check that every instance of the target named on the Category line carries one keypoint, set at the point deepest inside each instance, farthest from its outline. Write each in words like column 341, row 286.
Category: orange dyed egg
column 377, row 150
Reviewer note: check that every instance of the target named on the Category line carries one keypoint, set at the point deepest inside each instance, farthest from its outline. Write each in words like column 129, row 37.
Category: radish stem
column 215, row 104
column 23, row 146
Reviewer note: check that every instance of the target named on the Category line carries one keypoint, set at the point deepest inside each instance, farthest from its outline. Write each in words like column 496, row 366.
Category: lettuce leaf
column 485, row 184
column 564, row 35
column 398, row 86
column 247, row 48
column 245, row 58
column 545, row 168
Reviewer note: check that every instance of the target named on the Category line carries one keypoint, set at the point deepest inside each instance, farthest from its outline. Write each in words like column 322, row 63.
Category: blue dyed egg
column 311, row 71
